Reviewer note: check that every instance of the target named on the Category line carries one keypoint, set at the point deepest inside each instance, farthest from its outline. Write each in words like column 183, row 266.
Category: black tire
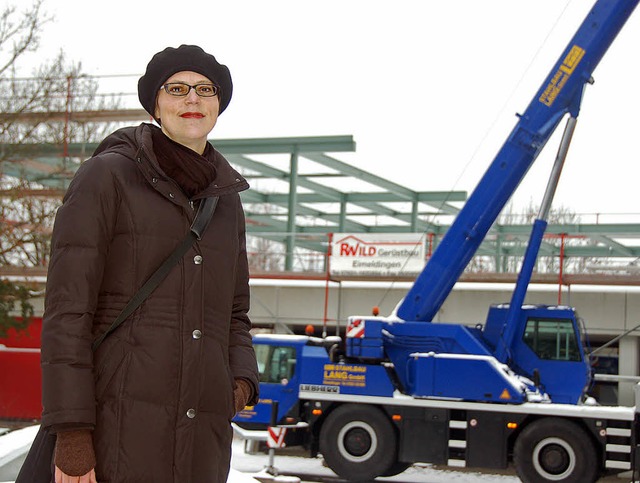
column 358, row 442
column 397, row 468
column 555, row 450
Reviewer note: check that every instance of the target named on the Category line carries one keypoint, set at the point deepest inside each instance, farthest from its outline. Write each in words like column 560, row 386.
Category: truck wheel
column 557, row 450
column 358, row 442
column 397, row 468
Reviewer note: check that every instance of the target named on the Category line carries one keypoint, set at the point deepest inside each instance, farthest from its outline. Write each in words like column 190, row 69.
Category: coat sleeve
column 81, row 235
column 242, row 357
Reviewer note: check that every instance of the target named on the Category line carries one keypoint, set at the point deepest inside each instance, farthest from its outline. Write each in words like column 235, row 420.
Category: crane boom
column 560, row 93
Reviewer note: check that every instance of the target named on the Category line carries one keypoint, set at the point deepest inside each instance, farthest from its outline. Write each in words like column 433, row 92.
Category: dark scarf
column 192, row 171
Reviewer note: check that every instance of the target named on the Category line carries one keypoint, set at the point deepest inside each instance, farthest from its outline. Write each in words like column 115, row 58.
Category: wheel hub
column 554, row 459
column 357, row 442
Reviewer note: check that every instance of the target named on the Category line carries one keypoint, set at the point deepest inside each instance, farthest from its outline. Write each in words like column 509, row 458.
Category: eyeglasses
column 180, row 89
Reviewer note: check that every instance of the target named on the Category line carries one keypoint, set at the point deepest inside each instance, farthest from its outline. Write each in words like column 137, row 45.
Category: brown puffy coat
column 160, row 388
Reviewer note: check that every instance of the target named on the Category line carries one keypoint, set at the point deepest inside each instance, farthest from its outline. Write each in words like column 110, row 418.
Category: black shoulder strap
column 198, row 227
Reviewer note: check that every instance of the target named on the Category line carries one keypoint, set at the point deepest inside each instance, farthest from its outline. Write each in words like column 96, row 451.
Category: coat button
column 196, row 334
column 197, row 259
column 191, row 413
column 171, row 195
column 154, row 180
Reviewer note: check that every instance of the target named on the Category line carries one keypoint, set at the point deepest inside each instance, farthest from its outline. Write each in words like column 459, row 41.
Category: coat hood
column 136, row 142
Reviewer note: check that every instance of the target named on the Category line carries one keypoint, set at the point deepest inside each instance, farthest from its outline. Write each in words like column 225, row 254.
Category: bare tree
column 509, row 259
column 19, row 34
column 27, row 222
column 264, row 254
column 33, row 107
column 35, row 113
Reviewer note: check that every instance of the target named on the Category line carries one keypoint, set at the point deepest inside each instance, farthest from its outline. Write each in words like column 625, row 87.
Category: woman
column 153, row 404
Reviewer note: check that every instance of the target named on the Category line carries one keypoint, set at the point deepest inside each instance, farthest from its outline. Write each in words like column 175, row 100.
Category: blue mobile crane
column 402, row 389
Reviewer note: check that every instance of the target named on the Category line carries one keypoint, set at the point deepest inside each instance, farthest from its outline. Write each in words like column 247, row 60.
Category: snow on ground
column 312, row 470
column 15, row 444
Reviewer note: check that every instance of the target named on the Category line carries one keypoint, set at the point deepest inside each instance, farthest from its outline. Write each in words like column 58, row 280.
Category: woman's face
column 189, row 119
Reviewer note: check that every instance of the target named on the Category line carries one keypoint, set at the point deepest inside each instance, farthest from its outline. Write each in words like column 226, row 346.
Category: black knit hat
column 186, row 57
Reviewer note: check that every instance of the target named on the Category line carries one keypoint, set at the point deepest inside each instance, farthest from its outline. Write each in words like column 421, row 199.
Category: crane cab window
column 552, row 339
column 276, row 364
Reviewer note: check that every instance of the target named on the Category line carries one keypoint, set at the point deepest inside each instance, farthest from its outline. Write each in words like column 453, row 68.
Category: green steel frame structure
column 301, row 192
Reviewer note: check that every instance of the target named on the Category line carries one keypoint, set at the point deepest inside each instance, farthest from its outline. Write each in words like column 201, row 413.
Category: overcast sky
column 428, row 89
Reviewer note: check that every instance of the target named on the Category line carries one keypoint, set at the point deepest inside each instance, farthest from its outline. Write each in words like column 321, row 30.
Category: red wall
column 20, row 376
column 30, row 337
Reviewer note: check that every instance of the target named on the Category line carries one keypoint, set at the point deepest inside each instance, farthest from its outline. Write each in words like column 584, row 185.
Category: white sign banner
column 377, row 254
